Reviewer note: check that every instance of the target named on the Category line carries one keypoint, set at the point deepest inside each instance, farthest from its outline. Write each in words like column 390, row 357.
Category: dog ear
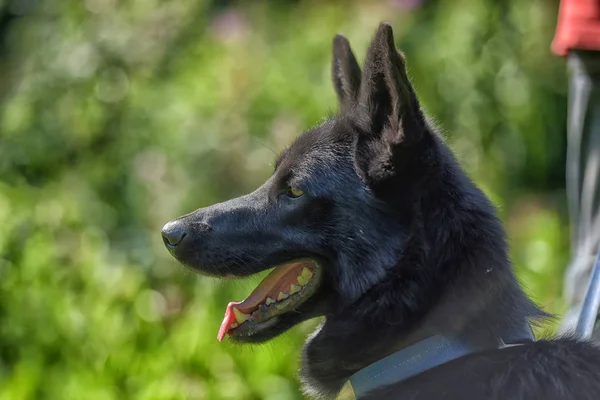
column 345, row 72
column 390, row 115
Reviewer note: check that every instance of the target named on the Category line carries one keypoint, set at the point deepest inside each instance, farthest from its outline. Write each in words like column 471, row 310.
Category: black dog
column 369, row 222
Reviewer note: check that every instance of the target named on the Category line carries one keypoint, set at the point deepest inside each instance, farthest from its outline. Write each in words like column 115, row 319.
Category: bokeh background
column 119, row 115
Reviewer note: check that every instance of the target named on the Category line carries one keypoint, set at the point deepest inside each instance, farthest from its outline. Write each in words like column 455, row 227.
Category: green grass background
column 117, row 116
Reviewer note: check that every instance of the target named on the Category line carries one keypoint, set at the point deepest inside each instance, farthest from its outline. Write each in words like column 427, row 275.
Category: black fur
column 411, row 248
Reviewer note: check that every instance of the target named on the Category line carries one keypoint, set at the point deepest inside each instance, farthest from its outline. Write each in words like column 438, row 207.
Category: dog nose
column 173, row 233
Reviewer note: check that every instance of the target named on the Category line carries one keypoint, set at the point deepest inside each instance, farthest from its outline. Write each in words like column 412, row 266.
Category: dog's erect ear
column 345, row 72
column 389, row 111
column 386, row 91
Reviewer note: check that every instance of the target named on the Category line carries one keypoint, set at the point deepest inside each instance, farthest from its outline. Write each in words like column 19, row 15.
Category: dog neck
column 476, row 297
column 420, row 357
column 340, row 348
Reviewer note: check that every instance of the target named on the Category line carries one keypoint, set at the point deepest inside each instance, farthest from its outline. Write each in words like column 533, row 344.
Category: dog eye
column 293, row 192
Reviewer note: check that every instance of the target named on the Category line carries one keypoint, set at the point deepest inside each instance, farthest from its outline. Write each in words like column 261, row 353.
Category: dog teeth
column 294, row 289
column 302, row 280
column 234, row 325
column 240, row 317
column 307, row 274
column 282, row 296
column 270, row 301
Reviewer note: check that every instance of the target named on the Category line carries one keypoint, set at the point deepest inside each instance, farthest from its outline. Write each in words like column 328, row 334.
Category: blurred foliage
column 117, row 116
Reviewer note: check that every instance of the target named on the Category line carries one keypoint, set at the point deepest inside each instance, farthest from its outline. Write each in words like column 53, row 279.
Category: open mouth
column 283, row 290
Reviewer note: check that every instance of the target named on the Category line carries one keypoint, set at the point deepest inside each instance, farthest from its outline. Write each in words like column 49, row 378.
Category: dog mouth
column 286, row 288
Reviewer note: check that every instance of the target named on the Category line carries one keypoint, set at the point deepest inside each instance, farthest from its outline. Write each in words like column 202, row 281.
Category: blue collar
column 420, row 357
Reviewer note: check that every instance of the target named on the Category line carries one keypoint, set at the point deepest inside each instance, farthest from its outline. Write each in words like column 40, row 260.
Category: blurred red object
column 578, row 26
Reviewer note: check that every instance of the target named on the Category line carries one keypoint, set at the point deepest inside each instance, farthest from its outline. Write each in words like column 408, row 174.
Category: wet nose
column 173, row 233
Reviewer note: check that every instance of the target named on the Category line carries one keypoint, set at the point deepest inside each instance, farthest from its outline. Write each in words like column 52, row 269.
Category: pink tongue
column 279, row 280
column 227, row 321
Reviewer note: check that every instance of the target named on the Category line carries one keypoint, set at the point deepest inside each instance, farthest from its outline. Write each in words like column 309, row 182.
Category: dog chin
column 273, row 328
column 276, row 326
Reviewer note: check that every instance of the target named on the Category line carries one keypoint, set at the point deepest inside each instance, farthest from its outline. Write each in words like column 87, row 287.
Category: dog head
column 337, row 211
